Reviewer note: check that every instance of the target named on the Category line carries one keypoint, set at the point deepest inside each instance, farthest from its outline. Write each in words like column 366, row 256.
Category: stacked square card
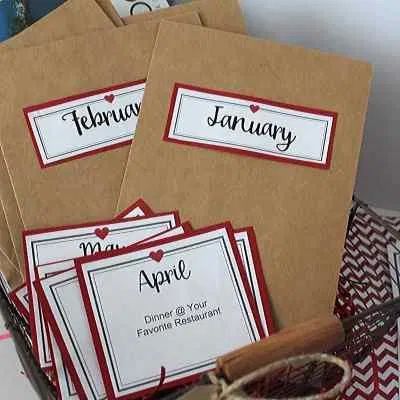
column 117, row 306
column 247, row 138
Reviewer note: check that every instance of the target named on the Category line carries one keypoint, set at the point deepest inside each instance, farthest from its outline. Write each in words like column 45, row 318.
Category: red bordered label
column 250, row 126
column 89, row 123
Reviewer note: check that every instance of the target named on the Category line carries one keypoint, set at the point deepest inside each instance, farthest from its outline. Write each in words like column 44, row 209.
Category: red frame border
column 154, row 237
column 27, row 110
column 27, row 232
column 138, row 203
column 261, row 281
column 46, row 330
column 95, row 334
column 271, row 157
column 53, row 361
column 187, row 226
column 51, row 321
column 35, row 347
column 17, row 302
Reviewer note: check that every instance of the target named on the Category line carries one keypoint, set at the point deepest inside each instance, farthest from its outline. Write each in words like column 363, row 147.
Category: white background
column 363, row 29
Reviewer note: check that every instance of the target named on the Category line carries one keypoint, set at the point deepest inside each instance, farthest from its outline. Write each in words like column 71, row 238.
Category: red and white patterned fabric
column 364, row 282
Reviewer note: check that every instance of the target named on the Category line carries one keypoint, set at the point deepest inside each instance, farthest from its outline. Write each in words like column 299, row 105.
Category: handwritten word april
column 92, row 119
column 160, row 278
column 278, row 133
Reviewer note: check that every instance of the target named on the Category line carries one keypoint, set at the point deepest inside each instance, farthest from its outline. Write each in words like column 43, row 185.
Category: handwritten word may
column 89, row 248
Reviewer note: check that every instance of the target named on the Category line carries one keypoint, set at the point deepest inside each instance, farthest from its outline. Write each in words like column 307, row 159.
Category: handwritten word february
column 91, row 120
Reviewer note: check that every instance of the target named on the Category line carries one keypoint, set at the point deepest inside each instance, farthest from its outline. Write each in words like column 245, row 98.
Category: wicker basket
column 317, row 376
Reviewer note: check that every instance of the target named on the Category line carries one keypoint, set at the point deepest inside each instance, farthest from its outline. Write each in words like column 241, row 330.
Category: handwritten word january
column 163, row 277
column 280, row 134
column 91, row 120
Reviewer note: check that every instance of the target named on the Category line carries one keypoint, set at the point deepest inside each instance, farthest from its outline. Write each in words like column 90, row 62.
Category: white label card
column 65, row 311
column 246, row 242
column 132, row 7
column 65, row 243
column 86, row 124
column 173, row 294
column 250, row 126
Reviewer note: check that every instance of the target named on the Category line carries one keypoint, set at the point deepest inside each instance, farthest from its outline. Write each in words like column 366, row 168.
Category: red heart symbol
column 102, row 233
column 157, row 255
column 109, row 97
column 254, row 108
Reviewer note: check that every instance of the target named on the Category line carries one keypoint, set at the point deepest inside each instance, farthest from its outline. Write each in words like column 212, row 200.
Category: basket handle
column 315, row 336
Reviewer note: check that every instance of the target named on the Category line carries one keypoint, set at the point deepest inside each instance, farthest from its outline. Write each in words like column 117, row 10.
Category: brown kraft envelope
column 6, row 245
column 71, row 18
column 7, row 255
column 261, row 134
column 85, row 188
column 218, row 14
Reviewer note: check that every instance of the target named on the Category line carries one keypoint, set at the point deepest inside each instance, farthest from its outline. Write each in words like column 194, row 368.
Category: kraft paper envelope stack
column 81, row 189
column 73, row 17
column 67, row 184
column 6, row 246
column 197, row 148
column 8, row 264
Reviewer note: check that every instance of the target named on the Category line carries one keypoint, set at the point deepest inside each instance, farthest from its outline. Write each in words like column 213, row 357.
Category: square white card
column 183, row 300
